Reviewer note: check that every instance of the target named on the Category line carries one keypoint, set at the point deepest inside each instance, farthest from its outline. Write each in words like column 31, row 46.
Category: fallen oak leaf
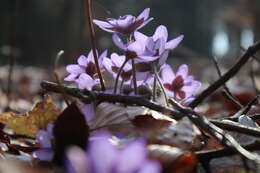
column 28, row 124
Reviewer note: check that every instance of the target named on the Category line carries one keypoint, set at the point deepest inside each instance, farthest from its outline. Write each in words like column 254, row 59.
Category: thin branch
column 88, row 9
column 252, row 76
column 204, row 124
column 199, row 120
column 88, row 96
column 13, row 40
column 253, row 56
column 228, row 93
column 212, row 88
column 245, row 109
column 233, row 126
column 56, row 75
column 229, row 151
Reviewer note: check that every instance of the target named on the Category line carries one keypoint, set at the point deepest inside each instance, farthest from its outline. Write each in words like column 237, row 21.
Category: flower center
column 91, row 69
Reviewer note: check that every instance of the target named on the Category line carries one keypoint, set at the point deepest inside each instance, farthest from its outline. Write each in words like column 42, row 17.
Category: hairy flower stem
column 154, row 88
column 160, row 83
column 134, row 76
column 88, row 9
column 121, row 85
column 118, row 74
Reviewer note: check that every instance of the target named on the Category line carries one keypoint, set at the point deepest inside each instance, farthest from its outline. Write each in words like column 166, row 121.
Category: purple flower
column 126, row 24
column 143, row 52
column 179, row 85
column 147, row 49
column 157, row 45
column 104, row 157
column 85, row 71
column 88, row 110
column 113, row 65
column 44, row 137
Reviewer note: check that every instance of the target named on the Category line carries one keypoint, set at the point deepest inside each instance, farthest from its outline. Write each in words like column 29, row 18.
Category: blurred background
column 35, row 30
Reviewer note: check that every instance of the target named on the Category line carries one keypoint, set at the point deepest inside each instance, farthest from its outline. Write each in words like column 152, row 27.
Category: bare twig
column 88, row 9
column 237, row 127
column 88, row 96
column 245, row 109
column 253, row 56
column 12, row 55
column 56, row 75
column 228, row 93
column 212, row 88
column 204, row 124
column 198, row 119
column 252, row 76
column 229, row 151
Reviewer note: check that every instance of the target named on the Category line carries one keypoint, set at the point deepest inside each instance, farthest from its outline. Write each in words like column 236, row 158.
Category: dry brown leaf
column 173, row 159
column 139, row 121
column 131, row 120
column 44, row 112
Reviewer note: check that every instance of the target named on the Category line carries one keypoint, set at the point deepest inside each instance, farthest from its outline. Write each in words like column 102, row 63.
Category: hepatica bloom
column 44, row 137
column 179, row 85
column 84, row 73
column 157, row 45
column 113, row 65
column 126, row 24
column 104, row 157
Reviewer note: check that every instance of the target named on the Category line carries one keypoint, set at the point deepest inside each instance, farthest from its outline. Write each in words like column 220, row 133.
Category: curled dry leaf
column 117, row 117
column 173, row 159
column 140, row 121
column 28, row 124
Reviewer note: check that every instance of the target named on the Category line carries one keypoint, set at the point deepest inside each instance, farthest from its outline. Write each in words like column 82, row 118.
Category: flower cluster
column 103, row 156
column 143, row 57
column 143, row 64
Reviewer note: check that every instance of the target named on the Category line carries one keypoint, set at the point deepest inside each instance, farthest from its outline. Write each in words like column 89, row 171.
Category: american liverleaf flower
column 157, row 44
column 103, row 156
column 113, row 65
column 126, row 24
column 84, row 73
column 44, row 137
column 179, row 85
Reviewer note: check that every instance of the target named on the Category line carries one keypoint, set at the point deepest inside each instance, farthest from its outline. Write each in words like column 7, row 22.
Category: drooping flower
column 126, row 24
column 179, row 85
column 84, row 73
column 44, row 137
column 113, row 65
column 104, row 157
